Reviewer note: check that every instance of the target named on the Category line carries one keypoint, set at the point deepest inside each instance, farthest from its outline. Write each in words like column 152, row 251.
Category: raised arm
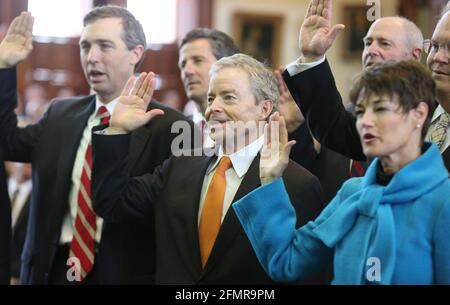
column 117, row 196
column 312, row 85
column 314, row 90
column 317, row 34
column 287, row 254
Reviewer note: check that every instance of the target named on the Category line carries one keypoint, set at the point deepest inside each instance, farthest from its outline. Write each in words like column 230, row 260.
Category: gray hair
column 222, row 45
column 263, row 83
column 132, row 34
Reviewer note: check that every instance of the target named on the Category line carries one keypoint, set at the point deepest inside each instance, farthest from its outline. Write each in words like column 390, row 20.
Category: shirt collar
column 197, row 116
column 243, row 158
column 439, row 110
column 110, row 106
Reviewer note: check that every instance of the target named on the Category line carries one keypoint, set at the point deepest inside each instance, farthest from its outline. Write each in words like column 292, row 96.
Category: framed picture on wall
column 356, row 27
column 259, row 36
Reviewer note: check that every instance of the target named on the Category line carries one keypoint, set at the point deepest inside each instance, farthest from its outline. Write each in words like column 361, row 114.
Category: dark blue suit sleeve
column 116, row 196
column 315, row 92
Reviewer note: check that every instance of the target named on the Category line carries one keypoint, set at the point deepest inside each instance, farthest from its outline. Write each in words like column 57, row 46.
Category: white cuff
column 298, row 66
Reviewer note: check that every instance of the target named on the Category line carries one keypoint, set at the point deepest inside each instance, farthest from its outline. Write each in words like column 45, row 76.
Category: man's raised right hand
column 316, row 34
column 18, row 41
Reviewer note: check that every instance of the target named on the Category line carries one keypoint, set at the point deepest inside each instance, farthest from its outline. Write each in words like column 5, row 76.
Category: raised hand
column 276, row 149
column 287, row 106
column 131, row 109
column 316, row 34
column 18, row 41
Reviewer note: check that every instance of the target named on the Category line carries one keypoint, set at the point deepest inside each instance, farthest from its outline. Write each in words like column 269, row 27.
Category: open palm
column 316, row 34
column 276, row 149
column 18, row 41
column 131, row 109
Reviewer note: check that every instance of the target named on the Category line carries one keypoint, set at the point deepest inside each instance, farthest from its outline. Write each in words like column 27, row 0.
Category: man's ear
column 138, row 52
column 266, row 109
column 417, row 53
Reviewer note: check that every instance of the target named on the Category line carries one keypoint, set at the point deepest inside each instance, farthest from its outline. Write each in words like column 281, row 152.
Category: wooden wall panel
column 50, row 61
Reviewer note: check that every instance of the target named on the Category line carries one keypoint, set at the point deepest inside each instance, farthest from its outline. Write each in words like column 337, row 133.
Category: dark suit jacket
column 331, row 168
column 316, row 94
column 5, row 225
column 174, row 189
column 51, row 146
column 18, row 239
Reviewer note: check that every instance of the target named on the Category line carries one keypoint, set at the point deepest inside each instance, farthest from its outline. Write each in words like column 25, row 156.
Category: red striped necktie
column 85, row 228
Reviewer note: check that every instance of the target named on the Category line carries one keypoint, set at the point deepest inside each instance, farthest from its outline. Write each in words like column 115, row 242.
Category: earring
column 418, row 126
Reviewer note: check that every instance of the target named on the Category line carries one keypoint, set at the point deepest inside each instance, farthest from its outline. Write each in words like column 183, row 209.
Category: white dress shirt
column 23, row 192
column 69, row 219
column 241, row 161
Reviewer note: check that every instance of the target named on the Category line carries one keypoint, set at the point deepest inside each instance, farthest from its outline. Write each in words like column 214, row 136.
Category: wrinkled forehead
column 387, row 28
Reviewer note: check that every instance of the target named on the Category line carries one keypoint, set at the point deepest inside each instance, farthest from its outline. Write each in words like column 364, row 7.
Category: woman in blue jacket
column 391, row 226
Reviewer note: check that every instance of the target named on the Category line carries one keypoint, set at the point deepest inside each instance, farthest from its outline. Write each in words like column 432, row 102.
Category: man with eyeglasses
column 438, row 61
column 311, row 82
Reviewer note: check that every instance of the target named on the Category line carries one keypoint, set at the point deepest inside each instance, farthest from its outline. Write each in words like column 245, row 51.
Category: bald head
column 392, row 38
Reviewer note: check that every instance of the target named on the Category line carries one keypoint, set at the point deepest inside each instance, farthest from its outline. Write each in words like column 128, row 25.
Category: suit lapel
column 187, row 241
column 231, row 226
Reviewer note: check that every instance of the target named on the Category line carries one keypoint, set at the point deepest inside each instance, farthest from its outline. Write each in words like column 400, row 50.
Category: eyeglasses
column 431, row 46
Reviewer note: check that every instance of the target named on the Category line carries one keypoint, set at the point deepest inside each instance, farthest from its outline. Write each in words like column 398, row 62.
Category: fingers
column 266, row 135
column 327, row 9
column 152, row 113
column 335, row 30
column 283, row 130
column 138, row 83
column 319, row 10
column 274, row 128
column 150, row 86
column 288, row 147
column 14, row 26
column 127, row 89
column 22, row 24
column 143, row 87
column 309, row 9
column 314, row 7
column 29, row 24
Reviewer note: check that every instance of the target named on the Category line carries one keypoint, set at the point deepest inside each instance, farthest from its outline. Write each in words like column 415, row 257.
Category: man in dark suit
column 5, row 226
column 198, row 237
column 112, row 45
column 311, row 81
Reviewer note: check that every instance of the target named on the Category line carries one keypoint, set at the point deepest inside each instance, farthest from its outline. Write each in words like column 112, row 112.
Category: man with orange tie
column 198, row 237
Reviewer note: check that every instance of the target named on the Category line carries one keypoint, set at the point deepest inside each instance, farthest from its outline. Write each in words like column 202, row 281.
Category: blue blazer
column 394, row 234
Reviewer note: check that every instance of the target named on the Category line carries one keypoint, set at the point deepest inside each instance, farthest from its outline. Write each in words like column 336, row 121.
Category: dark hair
column 132, row 34
column 409, row 80
column 222, row 45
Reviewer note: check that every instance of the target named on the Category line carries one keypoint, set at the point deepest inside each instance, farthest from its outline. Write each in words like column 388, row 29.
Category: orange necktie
column 211, row 216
